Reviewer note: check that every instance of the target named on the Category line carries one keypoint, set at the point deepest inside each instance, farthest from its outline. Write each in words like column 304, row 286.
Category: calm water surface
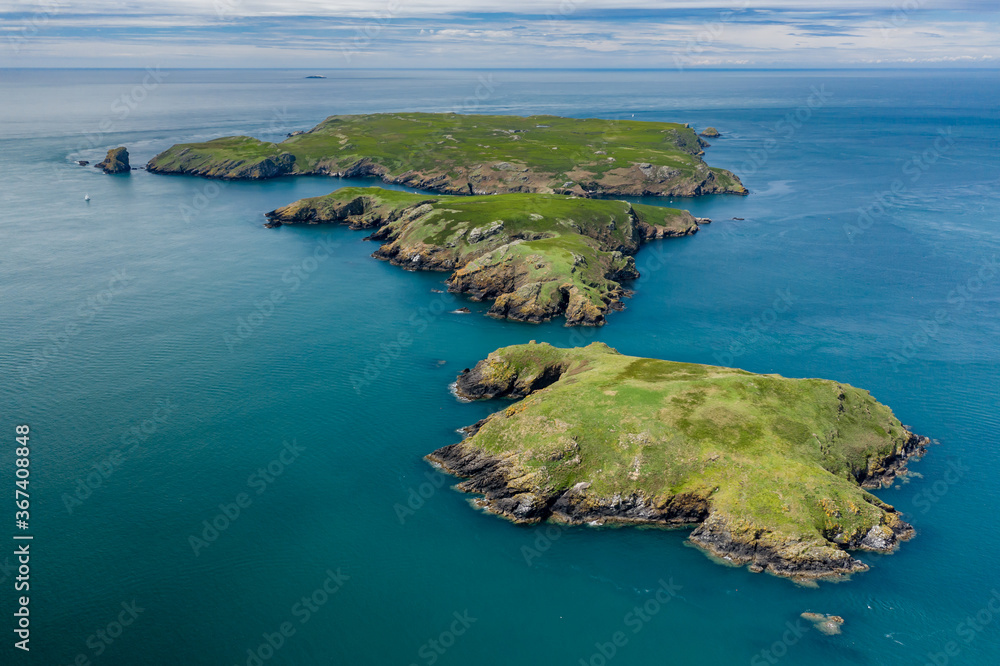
column 875, row 210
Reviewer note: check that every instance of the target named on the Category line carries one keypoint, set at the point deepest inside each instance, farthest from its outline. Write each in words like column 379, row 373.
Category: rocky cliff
column 116, row 161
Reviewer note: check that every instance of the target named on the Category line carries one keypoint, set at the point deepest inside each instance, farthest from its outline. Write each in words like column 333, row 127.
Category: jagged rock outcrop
column 116, row 161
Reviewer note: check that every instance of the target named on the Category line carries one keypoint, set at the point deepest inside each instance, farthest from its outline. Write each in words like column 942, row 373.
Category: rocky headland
column 536, row 256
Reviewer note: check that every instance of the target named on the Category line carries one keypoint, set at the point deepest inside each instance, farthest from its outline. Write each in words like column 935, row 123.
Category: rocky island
column 116, row 161
column 771, row 471
column 473, row 154
column 536, row 256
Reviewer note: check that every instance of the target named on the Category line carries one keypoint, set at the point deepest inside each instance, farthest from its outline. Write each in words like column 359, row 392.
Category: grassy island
column 772, row 471
column 473, row 154
column 536, row 256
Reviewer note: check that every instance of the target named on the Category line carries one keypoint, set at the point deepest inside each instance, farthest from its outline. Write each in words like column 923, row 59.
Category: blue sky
column 689, row 34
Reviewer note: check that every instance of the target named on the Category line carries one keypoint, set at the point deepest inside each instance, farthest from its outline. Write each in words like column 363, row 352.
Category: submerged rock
column 827, row 624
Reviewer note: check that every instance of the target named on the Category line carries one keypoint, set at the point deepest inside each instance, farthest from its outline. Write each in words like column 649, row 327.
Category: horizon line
column 539, row 69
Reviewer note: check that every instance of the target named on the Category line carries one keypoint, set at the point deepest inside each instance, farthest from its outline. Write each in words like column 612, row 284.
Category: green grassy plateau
column 537, row 256
column 772, row 470
column 473, row 154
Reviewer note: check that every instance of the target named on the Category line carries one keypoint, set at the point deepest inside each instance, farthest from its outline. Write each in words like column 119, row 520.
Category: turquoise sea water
column 121, row 323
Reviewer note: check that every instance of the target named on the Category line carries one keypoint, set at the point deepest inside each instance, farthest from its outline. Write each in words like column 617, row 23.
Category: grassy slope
column 775, row 454
column 553, row 149
column 546, row 240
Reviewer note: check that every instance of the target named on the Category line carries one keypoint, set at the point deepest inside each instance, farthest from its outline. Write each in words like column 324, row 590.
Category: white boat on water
column 86, row 197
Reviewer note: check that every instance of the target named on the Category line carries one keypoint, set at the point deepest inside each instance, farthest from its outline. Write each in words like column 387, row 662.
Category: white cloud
column 474, row 34
column 412, row 8
column 440, row 33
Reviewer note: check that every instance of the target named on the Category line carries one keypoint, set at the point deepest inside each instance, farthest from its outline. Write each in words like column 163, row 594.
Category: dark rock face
column 488, row 380
column 885, row 472
column 363, row 168
column 361, row 212
column 499, row 483
column 272, row 167
column 116, row 161
column 237, row 169
column 719, row 537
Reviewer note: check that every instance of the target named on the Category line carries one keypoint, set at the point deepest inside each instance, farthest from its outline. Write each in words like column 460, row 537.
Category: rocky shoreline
column 457, row 155
column 116, row 161
column 638, row 180
column 522, row 494
column 515, row 257
column 500, row 484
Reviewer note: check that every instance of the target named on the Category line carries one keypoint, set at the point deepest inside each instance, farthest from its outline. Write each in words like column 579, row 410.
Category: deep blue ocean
column 177, row 362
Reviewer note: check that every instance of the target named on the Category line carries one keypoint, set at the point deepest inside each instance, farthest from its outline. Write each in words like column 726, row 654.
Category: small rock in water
column 436, row 291
column 461, row 311
column 82, row 162
column 116, row 161
column 827, row 624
